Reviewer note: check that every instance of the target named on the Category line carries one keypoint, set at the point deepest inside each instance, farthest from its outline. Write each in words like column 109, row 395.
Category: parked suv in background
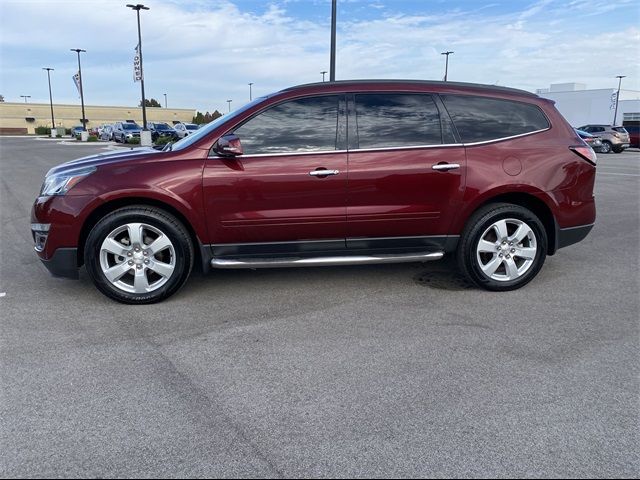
column 184, row 129
column 161, row 130
column 614, row 139
column 337, row 173
column 124, row 132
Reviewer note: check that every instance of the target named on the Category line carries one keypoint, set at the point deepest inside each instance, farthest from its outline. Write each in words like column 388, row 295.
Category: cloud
column 202, row 53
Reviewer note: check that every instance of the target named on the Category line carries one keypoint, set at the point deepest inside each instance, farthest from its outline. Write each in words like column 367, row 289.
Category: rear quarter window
column 480, row 119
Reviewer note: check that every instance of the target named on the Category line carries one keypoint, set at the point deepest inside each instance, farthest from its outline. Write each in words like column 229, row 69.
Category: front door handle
column 443, row 167
column 323, row 173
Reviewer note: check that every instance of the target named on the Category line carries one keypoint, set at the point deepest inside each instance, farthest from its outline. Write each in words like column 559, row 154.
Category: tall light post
column 53, row 122
column 615, row 115
column 25, row 97
column 229, row 102
column 137, row 8
column 250, row 94
column 446, row 65
column 332, row 68
column 165, row 100
column 323, row 73
column 84, row 118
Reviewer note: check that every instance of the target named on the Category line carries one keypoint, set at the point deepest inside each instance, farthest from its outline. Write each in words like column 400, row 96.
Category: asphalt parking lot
column 369, row 371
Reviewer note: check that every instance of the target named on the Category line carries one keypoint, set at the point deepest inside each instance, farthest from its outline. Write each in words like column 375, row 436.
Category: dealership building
column 582, row 107
column 23, row 118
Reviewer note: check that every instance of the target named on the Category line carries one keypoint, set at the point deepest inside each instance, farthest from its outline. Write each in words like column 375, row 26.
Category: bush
column 67, row 131
column 163, row 140
column 92, row 138
column 134, row 141
column 43, row 130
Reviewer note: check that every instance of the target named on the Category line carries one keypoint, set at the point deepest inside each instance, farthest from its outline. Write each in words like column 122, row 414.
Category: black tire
column 480, row 222
column 606, row 147
column 618, row 149
column 182, row 255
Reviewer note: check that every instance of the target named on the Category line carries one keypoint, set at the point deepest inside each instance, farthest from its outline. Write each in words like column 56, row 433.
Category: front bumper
column 63, row 263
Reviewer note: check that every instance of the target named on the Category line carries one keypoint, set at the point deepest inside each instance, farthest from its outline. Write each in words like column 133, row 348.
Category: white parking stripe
column 620, row 174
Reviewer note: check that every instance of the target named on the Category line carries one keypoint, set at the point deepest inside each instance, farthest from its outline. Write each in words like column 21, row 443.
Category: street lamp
column 250, row 94
column 25, row 97
column 165, row 100
column 615, row 115
column 446, row 67
column 332, row 69
column 84, row 118
column 53, row 122
column 323, row 72
column 229, row 102
column 137, row 8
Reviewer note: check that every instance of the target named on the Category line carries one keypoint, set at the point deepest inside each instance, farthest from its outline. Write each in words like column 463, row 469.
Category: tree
column 1, row 98
column 206, row 118
column 150, row 103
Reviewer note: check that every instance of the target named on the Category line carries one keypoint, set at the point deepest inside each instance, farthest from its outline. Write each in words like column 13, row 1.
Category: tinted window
column 304, row 125
column 479, row 118
column 397, row 120
column 619, row 130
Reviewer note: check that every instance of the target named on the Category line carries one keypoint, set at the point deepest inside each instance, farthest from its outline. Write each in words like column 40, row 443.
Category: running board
column 324, row 261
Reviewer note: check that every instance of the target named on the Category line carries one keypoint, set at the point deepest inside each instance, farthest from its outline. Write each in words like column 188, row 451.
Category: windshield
column 130, row 126
column 191, row 126
column 204, row 131
column 162, row 126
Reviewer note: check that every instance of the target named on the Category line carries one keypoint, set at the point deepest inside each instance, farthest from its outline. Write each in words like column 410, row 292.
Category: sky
column 202, row 53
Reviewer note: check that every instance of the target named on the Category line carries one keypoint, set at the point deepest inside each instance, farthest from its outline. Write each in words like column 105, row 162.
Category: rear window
column 480, row 119
column 619, row 130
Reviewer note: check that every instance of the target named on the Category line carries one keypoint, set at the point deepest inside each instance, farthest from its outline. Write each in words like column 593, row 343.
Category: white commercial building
column 581, row 106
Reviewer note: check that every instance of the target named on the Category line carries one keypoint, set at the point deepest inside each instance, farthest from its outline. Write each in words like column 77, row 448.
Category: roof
column 426, row 83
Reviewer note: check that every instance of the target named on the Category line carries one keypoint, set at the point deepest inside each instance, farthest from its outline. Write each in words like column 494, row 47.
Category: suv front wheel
column 606, row 147
column 139, row 255
column 503, row 247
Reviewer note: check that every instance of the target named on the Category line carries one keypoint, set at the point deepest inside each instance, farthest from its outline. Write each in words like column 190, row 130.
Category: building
column 581, row 106
column 23, row 118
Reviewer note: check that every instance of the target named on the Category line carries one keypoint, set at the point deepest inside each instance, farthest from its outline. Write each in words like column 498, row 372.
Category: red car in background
column 349, row 172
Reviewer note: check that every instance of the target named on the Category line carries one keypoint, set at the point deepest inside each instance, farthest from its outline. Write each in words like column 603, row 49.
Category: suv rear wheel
column 139, row 255
column 503, row 247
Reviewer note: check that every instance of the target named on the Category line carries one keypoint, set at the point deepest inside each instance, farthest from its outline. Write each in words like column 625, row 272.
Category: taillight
column 586, row 153
column 617, row 135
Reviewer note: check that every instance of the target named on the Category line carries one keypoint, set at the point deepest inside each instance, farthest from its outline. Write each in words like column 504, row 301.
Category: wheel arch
column 531, row 202
column 107, row 207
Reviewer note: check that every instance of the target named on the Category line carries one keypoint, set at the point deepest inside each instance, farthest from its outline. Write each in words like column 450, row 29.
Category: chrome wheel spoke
column 115, row 247
column 520, row 234
column 528, row 253
column 116, row 272
column 162, row 269
column 501, row 229
column 140, row 282
column 512, row 268
column 485, row 246
column 159, row 244
column 490, row 267
column 135, row 233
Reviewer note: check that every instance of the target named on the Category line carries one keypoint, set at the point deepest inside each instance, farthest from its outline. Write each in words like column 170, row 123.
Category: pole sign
column 76, row 80
column 137, row 66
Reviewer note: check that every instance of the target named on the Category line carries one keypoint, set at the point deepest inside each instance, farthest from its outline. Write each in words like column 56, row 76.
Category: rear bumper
column 63, row 263
column 571, row 235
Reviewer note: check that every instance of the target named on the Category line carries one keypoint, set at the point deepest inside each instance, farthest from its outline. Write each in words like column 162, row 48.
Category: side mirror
column 229, row 146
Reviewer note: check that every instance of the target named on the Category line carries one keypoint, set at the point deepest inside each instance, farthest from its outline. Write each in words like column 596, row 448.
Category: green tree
column 1, row 98
column 150, row 102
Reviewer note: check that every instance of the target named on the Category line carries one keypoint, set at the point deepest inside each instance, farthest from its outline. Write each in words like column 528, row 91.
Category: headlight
column 61, row 183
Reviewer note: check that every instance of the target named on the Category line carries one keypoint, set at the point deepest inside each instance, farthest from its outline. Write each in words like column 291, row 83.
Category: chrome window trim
column 506, row 138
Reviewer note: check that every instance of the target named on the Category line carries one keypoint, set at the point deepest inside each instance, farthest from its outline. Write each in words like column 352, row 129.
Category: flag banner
column 76, row 80
column 137, row 65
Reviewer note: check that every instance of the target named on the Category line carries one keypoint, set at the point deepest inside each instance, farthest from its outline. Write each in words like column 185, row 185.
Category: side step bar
column 324, row 261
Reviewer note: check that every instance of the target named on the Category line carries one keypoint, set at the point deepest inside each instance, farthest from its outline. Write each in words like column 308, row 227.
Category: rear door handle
column 443, row 167
column 323, row 173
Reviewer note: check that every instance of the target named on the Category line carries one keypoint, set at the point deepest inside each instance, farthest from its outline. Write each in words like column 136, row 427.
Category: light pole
column 446, row 66
column 615, row 115
column 137, row 8
column 84, row 118
column 165, row 100
column 323, row 72
column 229, row 102
column 53, row 122
column 25, row 97
column 250, row 94
column 332, row 69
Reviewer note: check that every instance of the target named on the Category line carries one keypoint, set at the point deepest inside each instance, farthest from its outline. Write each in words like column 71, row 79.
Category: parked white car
column 184, row 129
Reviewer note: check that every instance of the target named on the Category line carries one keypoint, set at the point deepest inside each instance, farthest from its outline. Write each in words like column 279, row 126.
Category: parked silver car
column 184, row 129
column 124, row 132
column 613, row 138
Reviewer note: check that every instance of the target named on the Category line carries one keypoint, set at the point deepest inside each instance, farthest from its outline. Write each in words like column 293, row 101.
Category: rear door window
column 397, row 120
column 303, row 125
column 480, row 119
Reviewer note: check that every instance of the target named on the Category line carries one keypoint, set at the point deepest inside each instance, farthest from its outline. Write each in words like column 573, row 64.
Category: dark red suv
column 348, row 172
